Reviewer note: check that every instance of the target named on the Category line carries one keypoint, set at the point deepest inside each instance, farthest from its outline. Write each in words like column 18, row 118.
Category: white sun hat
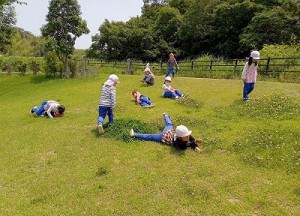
column 182, row 131
column 255, row 55
column 168, row 79
column 112, row 79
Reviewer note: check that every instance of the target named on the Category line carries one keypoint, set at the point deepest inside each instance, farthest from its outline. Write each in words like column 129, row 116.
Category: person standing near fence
column 171, row 65
column 250, row 73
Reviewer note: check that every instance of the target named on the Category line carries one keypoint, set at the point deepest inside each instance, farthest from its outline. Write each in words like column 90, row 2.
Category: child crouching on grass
column 50, row 108
column 142, row 100
column 179, row 138
column 107, row 101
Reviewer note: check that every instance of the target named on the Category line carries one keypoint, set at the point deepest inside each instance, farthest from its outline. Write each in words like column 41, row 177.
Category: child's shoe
column 131, row 132
column 100, row 130
column 176, row 98
column 31, row 111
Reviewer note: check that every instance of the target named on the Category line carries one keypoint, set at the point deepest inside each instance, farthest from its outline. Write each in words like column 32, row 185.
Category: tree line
column 188, row 28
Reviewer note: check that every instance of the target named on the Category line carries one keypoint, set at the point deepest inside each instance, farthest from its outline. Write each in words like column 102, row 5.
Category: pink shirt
column 250, row 73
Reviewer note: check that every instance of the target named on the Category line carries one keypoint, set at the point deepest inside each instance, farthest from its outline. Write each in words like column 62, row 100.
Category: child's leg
column 178, row 93
column 110, row 114
column 251, row 87
column 246, row 90
column 169, row 71
column 149, row 137
column 145, row 100
column 173, row 72
column 40, row 110
column 102, row 114
column 168, row 122
column 169, row 94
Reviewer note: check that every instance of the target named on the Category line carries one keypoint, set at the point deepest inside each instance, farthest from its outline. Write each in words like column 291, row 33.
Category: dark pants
column 103, row 111
column 248, row 88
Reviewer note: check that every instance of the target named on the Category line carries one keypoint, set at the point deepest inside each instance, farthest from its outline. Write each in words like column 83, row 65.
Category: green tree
column 274, row 26
column 229, row 22
column 64, row 26
column 7, row 21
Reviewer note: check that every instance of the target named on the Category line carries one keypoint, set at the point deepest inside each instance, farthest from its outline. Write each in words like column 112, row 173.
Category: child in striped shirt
column 107, row 101
column 179, row 138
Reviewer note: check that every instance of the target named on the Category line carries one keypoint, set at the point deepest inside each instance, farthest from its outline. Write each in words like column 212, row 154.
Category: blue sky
column 32, row 16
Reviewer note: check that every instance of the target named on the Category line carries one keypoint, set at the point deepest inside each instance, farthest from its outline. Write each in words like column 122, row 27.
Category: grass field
column 249, row 166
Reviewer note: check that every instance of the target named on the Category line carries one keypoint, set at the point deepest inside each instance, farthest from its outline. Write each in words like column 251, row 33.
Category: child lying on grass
column 142, row 100
column 49, row 108
column 179, row 138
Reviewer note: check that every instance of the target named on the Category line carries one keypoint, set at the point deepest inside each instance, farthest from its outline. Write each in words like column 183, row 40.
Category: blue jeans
column 40, row 110
column 248, row 88
column 170, row 70
column 145, row 101
column 156, row 137
column 103, row 111
column 169, row 94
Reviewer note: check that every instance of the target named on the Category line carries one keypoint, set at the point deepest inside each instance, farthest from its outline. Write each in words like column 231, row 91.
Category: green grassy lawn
column 249, row 166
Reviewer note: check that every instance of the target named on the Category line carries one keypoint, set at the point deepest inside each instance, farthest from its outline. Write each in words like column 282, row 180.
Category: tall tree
column 7, row 21
column 64, row 26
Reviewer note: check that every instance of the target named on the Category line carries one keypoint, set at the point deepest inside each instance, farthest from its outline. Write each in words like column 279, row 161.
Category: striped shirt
column 108, row 96
column 168, row 137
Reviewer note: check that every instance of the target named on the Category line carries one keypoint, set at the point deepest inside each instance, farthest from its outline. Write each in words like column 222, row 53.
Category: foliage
column 53, row 66
column 7, row 20
column 64, row 26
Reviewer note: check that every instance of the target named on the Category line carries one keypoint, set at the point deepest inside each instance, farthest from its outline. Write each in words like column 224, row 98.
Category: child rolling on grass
column 107, row 101
column 169, row 92
column 142, row 100
column 50, row 108
column 249, row 74
column 179, row 138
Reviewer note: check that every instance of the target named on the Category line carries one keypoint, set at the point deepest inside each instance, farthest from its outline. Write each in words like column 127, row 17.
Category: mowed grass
column 249, row 166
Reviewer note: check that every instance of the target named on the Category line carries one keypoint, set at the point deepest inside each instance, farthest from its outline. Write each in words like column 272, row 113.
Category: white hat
column 182, row 131
column 168, row 79
column 255, row 55
column 112, row 79
column 147, row 69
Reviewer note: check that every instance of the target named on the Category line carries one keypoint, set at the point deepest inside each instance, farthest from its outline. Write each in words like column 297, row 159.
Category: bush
column 53, row 66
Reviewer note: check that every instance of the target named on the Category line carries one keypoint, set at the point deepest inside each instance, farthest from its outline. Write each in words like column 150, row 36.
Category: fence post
column 235, row 65
column 128, row 70
column 192, row 64
column 210, row 66
column 268, row 66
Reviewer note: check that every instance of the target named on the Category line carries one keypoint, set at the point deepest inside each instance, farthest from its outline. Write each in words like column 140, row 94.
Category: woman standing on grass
column 250, row 73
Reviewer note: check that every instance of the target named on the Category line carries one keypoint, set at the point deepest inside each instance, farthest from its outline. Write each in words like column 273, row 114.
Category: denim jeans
column 248, row 88
column 169, row 94
column 170, row 70
column 103, row 111
column 156, row 137
column 40, row 110
column 145, row 101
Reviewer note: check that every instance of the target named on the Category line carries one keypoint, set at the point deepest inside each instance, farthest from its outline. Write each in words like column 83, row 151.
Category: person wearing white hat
column 169, row 92
column 180, row 138
column 107, row 101
column 149, row 77
column 249, row 74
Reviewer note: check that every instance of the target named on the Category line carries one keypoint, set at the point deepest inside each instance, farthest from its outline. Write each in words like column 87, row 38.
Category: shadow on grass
column 37, row 79
column 177, row 152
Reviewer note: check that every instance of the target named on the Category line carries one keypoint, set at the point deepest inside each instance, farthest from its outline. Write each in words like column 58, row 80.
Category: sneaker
column 31, row 111
column 164, row 114
column 131, row 132
column 176, row 97
column 100, row 130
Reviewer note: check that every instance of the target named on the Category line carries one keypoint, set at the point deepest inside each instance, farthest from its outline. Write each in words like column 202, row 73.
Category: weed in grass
column 270, row 149
column 190, row 103
column 277, row 106
column 101, row 172
column 297, row 191
column 120, row 129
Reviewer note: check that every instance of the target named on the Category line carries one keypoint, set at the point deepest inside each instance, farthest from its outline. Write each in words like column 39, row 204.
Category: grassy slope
column 62, row 166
